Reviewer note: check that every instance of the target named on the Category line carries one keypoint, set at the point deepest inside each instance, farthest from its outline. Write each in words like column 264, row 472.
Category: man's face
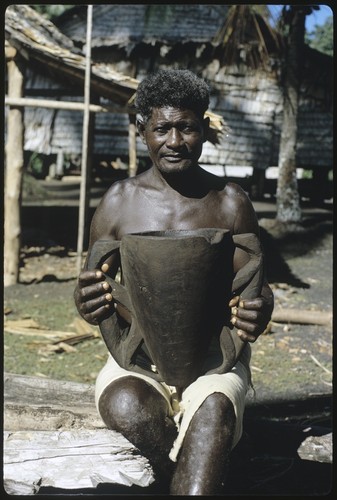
column 174, row 138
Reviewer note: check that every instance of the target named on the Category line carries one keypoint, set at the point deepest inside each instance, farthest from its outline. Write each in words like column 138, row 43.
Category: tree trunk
column 13, row 175
column 287, row 195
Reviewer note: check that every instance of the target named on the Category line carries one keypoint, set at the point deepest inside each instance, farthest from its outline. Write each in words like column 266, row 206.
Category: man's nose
column 174, row 138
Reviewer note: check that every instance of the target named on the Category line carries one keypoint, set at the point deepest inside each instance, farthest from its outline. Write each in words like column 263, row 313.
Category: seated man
column 186, row 432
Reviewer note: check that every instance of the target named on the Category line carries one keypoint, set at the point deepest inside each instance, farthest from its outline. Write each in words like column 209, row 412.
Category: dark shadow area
column 277, row 269
column 279, row 476
column 266, row 460
column 47, row 226
column 47, row 278
column 155, row 489
column 293, row 244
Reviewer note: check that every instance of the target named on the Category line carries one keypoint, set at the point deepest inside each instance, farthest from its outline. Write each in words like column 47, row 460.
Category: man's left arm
column 250, row 316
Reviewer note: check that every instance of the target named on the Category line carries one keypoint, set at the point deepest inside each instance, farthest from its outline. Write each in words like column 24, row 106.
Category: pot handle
column 101, row 250
column 249, row 279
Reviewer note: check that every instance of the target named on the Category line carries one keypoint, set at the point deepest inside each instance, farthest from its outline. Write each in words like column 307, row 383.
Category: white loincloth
column 233, row 384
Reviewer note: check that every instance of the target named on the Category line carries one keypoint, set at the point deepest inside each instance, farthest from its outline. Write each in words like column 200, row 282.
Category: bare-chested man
column 175, row 193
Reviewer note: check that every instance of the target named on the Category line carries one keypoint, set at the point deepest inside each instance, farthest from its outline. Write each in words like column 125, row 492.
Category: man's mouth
column 174, row 158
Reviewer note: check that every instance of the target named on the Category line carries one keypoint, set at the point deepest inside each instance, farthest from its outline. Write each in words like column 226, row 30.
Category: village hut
column 134, row 41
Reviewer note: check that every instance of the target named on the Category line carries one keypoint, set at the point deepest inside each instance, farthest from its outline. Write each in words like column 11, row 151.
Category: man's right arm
column 92, row 294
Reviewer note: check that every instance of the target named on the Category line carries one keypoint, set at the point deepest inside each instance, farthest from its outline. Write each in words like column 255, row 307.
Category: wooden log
column 33, row 403
column 40, row 411
column 304, row 317
column 317, row 448
column 71, row 460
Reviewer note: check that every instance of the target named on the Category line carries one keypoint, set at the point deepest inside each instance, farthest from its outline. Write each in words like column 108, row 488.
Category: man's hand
column 93, row 297
column 251, row 316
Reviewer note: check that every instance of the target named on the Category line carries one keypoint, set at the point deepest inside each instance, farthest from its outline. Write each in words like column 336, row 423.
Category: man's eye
column 188, row 128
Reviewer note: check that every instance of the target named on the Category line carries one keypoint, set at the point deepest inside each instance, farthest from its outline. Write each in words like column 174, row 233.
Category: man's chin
column 174, row 168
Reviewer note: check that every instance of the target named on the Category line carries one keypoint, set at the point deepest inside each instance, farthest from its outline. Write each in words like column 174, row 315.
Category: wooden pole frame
column 13, row 173
column 83, row 205
column 67, row 105
column 15, row 101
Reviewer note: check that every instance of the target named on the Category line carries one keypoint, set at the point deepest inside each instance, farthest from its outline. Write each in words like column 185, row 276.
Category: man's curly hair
column 178, row 88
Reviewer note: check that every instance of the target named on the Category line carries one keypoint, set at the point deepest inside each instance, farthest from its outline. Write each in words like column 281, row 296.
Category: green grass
column 29, row 355
column 52, row 307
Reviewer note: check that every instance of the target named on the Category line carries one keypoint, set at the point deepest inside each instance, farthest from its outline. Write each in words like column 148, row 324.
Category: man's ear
column 205, row 124
column 141, row 129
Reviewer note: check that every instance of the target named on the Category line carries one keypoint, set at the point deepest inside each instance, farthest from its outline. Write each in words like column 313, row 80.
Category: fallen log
column 34, row 403
column 317, row 448
column 71, row 460
column 304, row 317
column 51, row 421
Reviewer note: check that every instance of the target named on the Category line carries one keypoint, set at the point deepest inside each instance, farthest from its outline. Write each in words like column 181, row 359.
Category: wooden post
column 84, row 170
column 132, row 145
column 13, row 171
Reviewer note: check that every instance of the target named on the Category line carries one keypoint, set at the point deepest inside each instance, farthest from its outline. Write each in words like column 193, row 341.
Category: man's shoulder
column 233, row 189
column 124, row 187
column 222, row 185
column 234, row 193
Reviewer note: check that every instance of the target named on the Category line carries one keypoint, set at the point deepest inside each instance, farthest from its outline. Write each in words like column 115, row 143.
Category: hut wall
column 250, row 102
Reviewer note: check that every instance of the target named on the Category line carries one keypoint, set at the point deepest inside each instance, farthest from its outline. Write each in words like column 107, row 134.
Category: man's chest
column 158, row 215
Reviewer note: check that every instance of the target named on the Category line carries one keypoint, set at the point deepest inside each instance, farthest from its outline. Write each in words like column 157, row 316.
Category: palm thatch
column 247, row 37
column 39, row 41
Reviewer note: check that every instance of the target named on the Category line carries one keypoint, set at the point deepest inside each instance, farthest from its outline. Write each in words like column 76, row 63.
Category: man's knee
column 219, row 402
column 216, row 411
column 129, row 402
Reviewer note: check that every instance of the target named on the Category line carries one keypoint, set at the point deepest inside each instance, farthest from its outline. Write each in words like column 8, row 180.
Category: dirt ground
column 44, row 337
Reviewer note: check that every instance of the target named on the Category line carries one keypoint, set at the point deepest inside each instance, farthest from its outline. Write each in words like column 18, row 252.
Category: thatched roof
column 39, row 41
column 127, row 25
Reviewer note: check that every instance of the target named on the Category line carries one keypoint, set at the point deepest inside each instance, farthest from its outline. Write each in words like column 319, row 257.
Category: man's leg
column 201, row 466
column 134, row 408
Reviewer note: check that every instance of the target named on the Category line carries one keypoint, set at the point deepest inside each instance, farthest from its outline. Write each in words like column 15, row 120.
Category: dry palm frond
column 246, row 36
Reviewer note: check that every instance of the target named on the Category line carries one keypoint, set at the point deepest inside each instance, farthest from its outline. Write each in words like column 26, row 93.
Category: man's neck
column 188, row 183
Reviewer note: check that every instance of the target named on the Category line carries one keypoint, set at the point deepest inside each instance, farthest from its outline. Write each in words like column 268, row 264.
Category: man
column 175, row 193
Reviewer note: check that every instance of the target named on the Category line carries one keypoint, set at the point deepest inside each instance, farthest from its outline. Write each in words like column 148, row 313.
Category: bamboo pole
column 13, row 175
column 83, row 208
column 132, row 146
column 67, row 105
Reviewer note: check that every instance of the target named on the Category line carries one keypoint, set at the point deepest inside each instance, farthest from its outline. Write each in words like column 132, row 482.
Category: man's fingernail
column 104, row 268
column 233, row 320
column 234, row 311
column 105, row 285
column 108, row 297
column 241, row 304
column 98, row 274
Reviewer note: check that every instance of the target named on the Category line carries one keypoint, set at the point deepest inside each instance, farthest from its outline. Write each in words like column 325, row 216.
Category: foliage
column 321, row 38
